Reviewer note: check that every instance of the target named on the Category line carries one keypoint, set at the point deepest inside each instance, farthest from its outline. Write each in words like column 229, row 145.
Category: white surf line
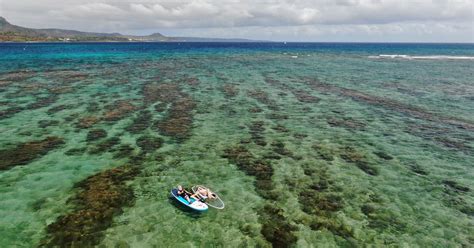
column 430, row 57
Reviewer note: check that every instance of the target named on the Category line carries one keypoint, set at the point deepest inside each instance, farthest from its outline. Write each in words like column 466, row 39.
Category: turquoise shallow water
column 307, row 144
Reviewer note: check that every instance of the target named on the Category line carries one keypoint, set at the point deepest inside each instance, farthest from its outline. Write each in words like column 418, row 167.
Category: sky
column 277, row 20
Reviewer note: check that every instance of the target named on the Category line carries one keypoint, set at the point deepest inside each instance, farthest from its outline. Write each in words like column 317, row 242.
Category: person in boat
column 183, row 193
column 202, row 194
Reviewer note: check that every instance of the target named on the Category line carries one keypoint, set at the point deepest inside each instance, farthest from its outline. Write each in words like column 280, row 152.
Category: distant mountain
column 13, row 33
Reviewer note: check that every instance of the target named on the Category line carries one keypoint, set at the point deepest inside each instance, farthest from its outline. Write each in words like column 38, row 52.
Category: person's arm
column 195, row 197
column 211, row 194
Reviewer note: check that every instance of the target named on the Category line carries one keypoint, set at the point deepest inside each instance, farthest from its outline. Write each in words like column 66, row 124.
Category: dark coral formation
column 301, row 95
column 252, row 166
column 454, row 144
column 255, row 110
column 87, row 122
column 123, row 151
column 317, row 197
column 275, row 227
column 305, row 97
column 149, row 144
column 280, row 128
column 442, row 135
column 380, row 217
column 160, row 107
column 59, row 108
column 229, row 90
column 279, row 148
column 19, row 75
column 256, row 131
column 24, row 153
column 300, row 136
column 191, row 81
column 118, row 110
column 3, row 84
column 96, row 134
column 418, row 169
column 76, row 151
column 101, row 197
column 42, row 102
column 71, row 117
column 263, row 97
column 351, row 155
column 324, row 152
column 454, row 197
column 384, row 219
column 47, row 123
column 452, row 185
column 337, row 228
column 179, row 118
column 57, row 90
column 390, row 104
column 347, row 123
column 165, row 92
column 93, row 107
column 66, row 76
column 276, row 83
column 277, row 116
column 312, row 201
column 11, row 111
column 227, row 108
column 141, row 122
column 383, row 155
column 321, row 200
column 105, row 146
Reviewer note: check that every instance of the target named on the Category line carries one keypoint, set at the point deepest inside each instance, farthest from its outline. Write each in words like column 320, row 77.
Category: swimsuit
column 182, row 194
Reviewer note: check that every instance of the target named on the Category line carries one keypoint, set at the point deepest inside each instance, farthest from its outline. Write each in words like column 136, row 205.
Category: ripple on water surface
column 307, row 144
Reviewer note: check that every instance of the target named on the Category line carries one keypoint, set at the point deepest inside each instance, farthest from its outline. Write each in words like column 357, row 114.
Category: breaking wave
column 430, row 57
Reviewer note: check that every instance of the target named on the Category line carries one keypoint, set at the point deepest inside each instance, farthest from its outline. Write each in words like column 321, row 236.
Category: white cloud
column 290, row 18
column 188, row 11
column 90, row 10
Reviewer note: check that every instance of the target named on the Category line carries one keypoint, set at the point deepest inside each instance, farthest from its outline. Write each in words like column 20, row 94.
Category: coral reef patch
column 118, row 110
column 141, row 122
column 351, row 155
column 263, row 97
column 257, row 129
column 100, row 198
column 230, row 90
column 26, row 152
column 105, row 146
column 149, row 144
column 275, row 227
column 96, row 134
column 394, row 105
column 179, row 119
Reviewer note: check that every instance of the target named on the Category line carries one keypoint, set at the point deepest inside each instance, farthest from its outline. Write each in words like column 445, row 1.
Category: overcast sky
column 285, row 20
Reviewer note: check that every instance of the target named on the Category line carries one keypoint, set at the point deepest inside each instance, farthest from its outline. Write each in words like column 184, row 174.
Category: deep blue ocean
column 13, row 49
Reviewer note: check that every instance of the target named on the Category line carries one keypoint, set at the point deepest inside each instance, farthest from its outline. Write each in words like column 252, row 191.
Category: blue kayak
column 195, row 205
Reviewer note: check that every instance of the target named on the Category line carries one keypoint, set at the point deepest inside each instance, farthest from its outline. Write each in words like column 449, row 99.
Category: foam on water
column 430, row 57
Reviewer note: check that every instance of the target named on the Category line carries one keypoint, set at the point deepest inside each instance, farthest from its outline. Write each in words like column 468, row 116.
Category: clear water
column 359, row 150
